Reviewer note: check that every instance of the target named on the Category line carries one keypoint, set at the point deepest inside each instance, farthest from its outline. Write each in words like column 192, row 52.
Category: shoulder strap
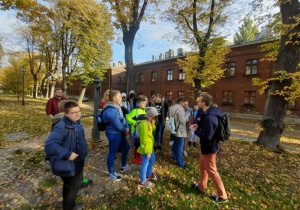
column 137, row 112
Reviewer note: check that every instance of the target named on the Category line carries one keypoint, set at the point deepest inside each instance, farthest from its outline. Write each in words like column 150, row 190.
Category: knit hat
column 151, row 111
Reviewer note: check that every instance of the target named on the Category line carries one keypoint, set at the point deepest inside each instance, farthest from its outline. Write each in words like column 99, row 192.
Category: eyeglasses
column 75, row 113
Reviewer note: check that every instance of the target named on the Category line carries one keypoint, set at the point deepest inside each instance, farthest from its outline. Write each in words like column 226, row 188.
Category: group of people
column 145, row 122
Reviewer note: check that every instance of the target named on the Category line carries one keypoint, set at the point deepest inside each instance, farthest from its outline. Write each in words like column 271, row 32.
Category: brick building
column 233, row 93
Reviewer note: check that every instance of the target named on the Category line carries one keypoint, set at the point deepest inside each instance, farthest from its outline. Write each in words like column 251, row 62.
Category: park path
column 20, row 181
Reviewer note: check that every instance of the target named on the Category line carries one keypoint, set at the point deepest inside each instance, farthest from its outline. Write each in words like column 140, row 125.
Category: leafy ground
column 254, row 178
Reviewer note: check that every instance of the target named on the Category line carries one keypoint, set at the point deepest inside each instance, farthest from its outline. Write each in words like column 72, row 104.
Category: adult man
column 209, row 147
column 177, row 112
column 52, row 104
column 161, row 119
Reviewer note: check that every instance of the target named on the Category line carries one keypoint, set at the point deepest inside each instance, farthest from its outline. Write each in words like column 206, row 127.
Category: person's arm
column 112, row 117
column 49, row 108
column 210, row 125
column 181, row 115
column 53, row 144
column 130, row 117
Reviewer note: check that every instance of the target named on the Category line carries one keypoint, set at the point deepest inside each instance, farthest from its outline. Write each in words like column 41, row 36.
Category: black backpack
column 101, row 125
column 223, row 131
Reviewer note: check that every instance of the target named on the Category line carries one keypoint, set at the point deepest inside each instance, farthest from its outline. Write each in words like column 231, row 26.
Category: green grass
column 30, row 118
column 49, row 182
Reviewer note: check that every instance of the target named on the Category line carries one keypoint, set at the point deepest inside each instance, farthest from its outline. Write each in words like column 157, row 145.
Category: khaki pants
column 208, row 168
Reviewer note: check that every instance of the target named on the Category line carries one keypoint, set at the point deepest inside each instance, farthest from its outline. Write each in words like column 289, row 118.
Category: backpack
column 171, row 125
column 101, row 124
column 223, row 131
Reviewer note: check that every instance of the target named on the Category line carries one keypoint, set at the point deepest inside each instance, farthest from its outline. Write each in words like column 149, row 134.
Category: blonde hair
column 109, row 94
column 61, row 105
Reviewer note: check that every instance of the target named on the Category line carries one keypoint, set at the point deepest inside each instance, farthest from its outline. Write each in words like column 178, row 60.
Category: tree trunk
column 47, row 92
column 64, row 80
column 35, row 88
column 197, row 88
column 131, row 74
column 52, row 89
column 275, row 106
column 81, row 95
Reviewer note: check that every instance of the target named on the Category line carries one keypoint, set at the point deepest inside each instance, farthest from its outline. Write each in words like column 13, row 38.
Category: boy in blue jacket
column 67, row 148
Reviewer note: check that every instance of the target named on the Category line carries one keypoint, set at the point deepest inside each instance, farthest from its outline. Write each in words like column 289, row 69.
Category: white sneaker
column 185, row 153
column 171, row 143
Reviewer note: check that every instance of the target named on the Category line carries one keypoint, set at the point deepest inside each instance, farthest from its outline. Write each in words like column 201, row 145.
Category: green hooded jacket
column 145, row 132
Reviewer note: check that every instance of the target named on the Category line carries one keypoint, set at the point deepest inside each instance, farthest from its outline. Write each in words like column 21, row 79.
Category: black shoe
column 79, row 206
column 190, row 143
column 159, row 147
column 85, row 183
column 184, row 167
column 195, row 185
column 194, row 144
column 217, row 199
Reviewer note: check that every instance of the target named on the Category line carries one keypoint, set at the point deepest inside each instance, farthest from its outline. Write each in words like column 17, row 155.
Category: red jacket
column 52, row 105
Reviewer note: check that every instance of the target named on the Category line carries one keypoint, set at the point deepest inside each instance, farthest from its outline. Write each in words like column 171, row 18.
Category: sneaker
column 195, row 185
column 146, row 184
column 194, row 144
column 78, row 206
column 114, row 177
column 190, row 143
column 185, row 153
column 86, row 183
column 217, row 199
column 159, row 147
column 153, row 177
column 125, row 168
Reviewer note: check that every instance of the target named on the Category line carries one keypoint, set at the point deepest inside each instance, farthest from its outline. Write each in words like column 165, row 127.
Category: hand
column 199, row 119
column 193, row 127
column 127, row 130
column 51, row 116
column 73, row 156
column 153, row 121
column 149, row 156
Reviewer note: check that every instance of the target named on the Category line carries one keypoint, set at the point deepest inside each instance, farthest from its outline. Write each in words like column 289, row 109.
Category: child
column 132, row 119
column 193, row 137
column 67, row 148
column 146, row 149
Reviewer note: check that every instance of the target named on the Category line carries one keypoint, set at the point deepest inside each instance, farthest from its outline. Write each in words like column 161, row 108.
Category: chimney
column 180, row 52
column 153, row 58
column 171, row 53
column 114, row 64
column 120, row 63
column 161, row 56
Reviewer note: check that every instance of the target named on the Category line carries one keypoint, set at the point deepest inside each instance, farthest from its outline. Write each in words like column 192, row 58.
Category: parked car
column 84, row 99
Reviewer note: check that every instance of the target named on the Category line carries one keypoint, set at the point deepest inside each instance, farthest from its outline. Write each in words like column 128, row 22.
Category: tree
column 198, row 23
column 247, row 31
column 285, row 78
column 129, row 15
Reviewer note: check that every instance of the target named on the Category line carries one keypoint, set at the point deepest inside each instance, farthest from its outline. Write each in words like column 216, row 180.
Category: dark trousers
column 72, row 186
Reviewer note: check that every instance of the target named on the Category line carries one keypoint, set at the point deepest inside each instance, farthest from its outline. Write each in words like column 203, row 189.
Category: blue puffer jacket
column 207, row 128
column 66, row 137
column 115, row 119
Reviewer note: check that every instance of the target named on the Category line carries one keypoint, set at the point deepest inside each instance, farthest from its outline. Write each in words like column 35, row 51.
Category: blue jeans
column 177, row 150
column 157, row 134
column 146, row 168
column 115, row 141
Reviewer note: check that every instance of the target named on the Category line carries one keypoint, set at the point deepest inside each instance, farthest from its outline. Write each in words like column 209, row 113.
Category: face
column 117, row 98
column 142, row 104
column 163, row 98
column 158, row 99
column 74, row 114
column 58, row 93
column 153, row 98
column 185, row 104
column 124, row 98
column 200, row 103
column 196, row 108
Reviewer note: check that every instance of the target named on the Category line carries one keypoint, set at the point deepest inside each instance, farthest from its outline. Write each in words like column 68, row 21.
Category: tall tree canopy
column 247, row 31
column 198, row 21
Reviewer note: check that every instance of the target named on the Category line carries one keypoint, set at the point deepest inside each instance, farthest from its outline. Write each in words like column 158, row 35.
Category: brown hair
column 158, row 95
column 57, row 89
column 207, row 99
column 61, row 105
column 69, row 105
column 180, row 99
column 141, row 98
column 109, row 94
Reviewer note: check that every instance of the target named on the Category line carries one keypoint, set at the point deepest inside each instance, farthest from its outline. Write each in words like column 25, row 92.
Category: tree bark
column 275, row 107
column 131, row 74
column 81, row 95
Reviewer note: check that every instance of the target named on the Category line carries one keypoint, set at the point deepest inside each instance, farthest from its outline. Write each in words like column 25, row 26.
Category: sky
column 149, row 39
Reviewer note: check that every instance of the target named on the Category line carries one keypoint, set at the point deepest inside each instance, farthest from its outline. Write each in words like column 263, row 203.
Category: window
column 169, row 95
column 141, row 77
column 291, row 104
column 169, row 75
column 251, row 67
column 154, row 76
column 180, row 93
column 118, row 80
column 181, row 75
column 229, row 69
column 227, row 98
column 249, row 98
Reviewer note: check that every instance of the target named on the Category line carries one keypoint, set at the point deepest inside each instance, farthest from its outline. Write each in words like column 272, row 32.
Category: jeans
column 146, row 168
column 177, row 150
column 116, row 140
column 208, row 168
column 72, row 185
column 157, row 134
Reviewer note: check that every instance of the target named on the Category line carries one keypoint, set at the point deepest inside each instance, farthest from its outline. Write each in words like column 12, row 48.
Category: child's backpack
column 223, row 131
column 171, row 125
column 101, row 124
